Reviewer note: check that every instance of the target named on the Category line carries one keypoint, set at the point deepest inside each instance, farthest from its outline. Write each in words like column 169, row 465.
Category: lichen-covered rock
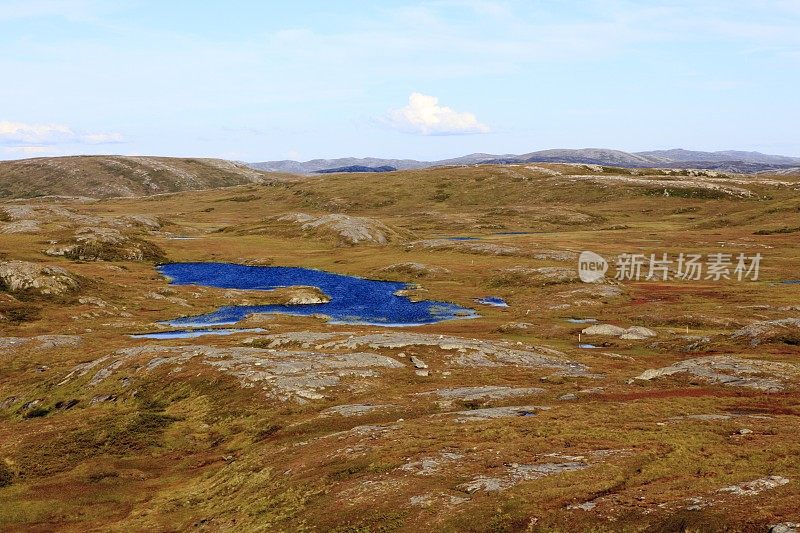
column 22, row 277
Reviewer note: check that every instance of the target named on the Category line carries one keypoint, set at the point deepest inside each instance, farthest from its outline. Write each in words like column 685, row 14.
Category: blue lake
column 354, row 300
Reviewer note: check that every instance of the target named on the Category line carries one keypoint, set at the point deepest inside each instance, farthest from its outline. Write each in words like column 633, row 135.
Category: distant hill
column 111, row 176
column 727, row 161
column 356, row 168
column 315, row 165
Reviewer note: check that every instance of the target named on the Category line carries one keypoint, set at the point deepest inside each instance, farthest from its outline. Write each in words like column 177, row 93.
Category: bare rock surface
column 96, row 243
column 491, row 413
column 348, row 229
column 428, row 466
column 768, row 376
column 604, row 329
column 39, row 343
column 469, row 352
column 757, row 486
column 487, row 392
column 631, row 333
column 413, row 269
column 517, row 473
column 767, row 331
column 474, row 247
column 22, row 226
column 285, row 374
column 352, row 409
column 37, row 278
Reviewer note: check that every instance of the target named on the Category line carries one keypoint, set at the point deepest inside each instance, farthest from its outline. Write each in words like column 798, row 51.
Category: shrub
column 6, row 475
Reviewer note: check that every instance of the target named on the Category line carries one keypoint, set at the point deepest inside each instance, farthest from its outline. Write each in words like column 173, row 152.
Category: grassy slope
column 192, row 448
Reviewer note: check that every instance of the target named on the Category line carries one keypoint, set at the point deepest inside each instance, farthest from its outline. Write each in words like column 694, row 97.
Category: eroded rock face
column 22, row 277
column 786, row 330
column 106, row 244
column 768, row 376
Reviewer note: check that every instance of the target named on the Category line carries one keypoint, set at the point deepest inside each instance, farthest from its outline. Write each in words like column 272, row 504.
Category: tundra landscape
column 485, row 266
column 623, row 404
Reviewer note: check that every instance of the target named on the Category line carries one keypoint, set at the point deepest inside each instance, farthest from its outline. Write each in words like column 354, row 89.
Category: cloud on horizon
column 30, row 137
column 424, row 116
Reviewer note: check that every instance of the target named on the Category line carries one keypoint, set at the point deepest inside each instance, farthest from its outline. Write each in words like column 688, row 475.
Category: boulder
column 604, row 329
column 22, row 277
column 638, row 333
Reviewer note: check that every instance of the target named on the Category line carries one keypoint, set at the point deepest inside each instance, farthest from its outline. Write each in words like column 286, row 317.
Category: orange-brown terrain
column 682, row 415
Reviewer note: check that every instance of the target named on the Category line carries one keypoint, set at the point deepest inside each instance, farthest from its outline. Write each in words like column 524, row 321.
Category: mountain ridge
column 725, row 160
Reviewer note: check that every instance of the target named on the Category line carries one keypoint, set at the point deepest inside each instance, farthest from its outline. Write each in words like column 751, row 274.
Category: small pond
column 354, row 300
column 494, row 301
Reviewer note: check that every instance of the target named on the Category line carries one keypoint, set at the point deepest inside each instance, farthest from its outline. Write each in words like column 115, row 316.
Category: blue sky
column 257, row 80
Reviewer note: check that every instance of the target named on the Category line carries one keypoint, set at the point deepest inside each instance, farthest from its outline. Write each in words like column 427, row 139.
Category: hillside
column 112, row 176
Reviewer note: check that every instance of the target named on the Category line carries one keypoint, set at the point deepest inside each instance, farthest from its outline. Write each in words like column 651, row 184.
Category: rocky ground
column 623, row 405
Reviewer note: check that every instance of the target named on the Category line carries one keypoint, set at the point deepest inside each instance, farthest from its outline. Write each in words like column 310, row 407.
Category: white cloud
column 424, row 116
column 39, row 135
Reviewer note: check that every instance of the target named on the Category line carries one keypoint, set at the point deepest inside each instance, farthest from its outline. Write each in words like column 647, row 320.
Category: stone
column 637, row 333
column 20, row 277
column 603, row 329
column 417, row 362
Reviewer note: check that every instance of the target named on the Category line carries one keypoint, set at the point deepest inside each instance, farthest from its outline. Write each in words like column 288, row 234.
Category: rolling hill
column 112, row 176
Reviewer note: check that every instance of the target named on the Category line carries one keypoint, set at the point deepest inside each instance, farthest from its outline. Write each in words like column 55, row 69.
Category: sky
column 266, row 80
